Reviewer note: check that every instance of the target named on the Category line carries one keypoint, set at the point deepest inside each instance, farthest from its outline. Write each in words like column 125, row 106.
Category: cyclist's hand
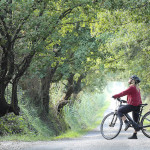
column 113, row 97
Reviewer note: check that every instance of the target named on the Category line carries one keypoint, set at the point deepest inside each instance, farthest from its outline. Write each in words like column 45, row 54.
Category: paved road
column 91, row 141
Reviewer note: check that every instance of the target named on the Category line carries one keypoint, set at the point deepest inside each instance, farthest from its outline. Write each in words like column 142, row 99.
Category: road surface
column 91, row 141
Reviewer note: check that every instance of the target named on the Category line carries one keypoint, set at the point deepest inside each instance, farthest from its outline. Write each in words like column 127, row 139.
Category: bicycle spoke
column 147, row 119
column 111, row 126
column 146, row 124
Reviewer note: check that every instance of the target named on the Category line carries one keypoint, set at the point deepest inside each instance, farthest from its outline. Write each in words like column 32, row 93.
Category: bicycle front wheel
column 111, row 126
column 145, row 122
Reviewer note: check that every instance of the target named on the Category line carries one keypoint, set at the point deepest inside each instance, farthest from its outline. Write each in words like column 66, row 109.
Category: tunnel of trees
column 71, row 46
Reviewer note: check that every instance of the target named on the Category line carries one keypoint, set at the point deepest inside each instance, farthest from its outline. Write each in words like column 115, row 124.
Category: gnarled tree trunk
column 45, row 88
column 72, row 88
column 4, row 107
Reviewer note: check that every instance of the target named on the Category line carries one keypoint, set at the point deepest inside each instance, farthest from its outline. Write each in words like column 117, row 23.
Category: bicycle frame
column 140, row 115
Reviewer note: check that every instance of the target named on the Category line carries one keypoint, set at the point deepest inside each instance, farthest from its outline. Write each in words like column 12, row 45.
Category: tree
column 125, row 41
column 79, row 57
column 24, row 28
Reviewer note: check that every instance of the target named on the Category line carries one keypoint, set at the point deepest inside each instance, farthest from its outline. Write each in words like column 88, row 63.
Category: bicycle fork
column 114, row 119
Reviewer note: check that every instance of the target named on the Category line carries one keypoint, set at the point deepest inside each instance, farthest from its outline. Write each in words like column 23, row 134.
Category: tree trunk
column 38, row 91
column 4, row 107
column 77, row 87
column 68, row 94
column 14, row 99
column 6, row 73
column 45, row 86
column 69, row 87
column 45, row 89
column 72, row 88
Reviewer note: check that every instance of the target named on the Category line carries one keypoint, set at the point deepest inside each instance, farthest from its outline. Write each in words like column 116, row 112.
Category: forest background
column 57, row 56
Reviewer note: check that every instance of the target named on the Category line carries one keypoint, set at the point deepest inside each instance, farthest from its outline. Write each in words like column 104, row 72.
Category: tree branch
column 81, row 21
column 25, row 19
column 24, row 64
column 19, row 28
column 66, row 12
column 4, row 64
column 5, row 27
column 10, row 67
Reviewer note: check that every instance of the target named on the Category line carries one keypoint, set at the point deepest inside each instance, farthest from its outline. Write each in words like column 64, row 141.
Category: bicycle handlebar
column 121, row 101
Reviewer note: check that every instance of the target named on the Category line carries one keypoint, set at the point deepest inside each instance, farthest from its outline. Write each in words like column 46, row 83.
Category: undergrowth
column 79, row 132
column 84, row 115
column 85, row 112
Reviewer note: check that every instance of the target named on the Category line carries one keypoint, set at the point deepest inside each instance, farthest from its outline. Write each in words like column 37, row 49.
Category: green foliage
column 84, row 113
column 11, row 124
column 28, row 123
column 36, row 125
column 122, row 27
column 77, row 53
column 130, row 49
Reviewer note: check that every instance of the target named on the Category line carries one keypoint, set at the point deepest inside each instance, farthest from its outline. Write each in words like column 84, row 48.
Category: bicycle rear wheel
column 145, row 122
column 111, row 126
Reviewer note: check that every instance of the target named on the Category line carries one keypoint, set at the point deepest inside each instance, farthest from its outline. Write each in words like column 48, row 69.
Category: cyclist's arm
column 123, row 93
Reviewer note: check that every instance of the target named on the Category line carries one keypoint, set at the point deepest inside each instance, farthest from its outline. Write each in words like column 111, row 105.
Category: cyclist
column 133, row 104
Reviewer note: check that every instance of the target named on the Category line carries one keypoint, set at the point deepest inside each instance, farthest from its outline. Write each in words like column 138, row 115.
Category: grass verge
column 78, row 133
column 67, row 135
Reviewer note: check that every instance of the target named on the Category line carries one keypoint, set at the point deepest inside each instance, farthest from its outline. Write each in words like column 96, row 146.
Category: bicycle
column 111, row 124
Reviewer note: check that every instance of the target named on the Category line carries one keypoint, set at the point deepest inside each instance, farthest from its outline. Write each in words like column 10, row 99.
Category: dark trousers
column 129, row 108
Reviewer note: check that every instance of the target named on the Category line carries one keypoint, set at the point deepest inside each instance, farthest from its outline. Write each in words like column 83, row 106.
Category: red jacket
column 133, row 96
